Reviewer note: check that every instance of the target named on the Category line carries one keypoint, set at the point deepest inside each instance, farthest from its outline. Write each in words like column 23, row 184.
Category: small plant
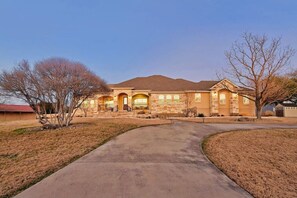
column 190, row 112
column 268, row 113
column 201, row 115
column 141, row 112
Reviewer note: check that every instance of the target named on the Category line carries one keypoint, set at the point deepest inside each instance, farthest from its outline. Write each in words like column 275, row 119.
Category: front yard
column 28, row 154
column 264, row 162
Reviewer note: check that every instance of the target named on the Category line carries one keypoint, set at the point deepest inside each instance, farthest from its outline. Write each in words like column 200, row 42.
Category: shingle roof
column 206, row 84
column 163, row 83
column 15, row 108
column 289, row 104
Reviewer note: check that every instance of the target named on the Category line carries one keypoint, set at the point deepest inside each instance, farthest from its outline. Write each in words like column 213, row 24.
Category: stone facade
column 222, row 99
column 170, row 106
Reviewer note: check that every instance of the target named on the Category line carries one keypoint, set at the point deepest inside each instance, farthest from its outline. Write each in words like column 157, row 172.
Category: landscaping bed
column 264, row 162
column 28, row 153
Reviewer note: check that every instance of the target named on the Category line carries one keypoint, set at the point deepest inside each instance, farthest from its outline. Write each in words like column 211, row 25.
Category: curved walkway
column 155, row 161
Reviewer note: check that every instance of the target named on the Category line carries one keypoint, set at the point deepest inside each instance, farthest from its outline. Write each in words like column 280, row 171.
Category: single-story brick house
column 16, row 112
column 160, row 94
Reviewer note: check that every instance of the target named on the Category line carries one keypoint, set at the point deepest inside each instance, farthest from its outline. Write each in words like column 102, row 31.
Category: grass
column 28, row 153
column 261, row 161
column 234, row 120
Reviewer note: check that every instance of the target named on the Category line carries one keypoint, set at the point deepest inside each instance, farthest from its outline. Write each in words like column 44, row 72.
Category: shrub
column 268, row 113
column 201, row 115
column 190, row 112
column 141, row 112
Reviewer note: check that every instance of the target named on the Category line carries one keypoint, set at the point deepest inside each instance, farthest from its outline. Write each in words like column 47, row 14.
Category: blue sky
column 119, row 40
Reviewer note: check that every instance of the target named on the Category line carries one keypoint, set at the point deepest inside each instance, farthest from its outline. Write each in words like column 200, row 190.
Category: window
column 168, row 98
column 85, row 104
column 222, row 98
column 176, row 98
column 92, row 103
column 108, row 103
column 140, row 102
column 125, row 100
column 197, row 97
column 161, row 99
column 245, row 100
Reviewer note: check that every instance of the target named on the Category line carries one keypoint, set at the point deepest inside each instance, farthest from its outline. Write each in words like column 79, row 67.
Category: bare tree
column 54, row 88
column 255, row 63
column 85, row 107
column 2, row 97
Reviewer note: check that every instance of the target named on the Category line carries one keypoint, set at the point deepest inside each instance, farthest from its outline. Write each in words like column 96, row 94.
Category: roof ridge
column 164, row 83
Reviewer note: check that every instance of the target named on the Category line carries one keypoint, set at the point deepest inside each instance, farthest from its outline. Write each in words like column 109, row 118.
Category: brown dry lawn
column 264, row 162
column 233, row 119
column 28, row 154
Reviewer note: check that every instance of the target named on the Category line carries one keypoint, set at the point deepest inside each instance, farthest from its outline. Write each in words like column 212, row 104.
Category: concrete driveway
column 155, row 161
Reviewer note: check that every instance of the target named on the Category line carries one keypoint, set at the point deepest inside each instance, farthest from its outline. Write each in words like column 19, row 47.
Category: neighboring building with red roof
column 16, row 112
column 159, row 94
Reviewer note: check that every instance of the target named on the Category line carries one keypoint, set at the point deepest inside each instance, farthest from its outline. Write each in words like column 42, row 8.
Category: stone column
column 130, row 101
column 96, row 105
column 214, row 105
column 234, row 110
column 115, row 102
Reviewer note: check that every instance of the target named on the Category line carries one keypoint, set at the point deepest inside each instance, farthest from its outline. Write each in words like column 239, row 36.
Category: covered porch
column 105, row 103
column 123, row 102
column 140, row 102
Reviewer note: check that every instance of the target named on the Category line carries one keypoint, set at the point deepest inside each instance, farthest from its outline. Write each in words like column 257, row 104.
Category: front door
column 125, row 103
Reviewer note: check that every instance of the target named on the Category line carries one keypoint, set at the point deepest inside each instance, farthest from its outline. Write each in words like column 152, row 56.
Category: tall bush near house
column 62, row 83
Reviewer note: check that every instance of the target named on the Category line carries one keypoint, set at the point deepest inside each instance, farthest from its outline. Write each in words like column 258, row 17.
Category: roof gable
column 224, row 84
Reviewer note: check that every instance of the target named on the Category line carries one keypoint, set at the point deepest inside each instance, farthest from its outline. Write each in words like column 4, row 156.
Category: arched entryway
column 140, row 102
column 123, row 101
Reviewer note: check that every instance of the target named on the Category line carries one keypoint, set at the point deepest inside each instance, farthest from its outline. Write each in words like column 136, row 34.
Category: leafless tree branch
column 255, row 64
column 54, row 88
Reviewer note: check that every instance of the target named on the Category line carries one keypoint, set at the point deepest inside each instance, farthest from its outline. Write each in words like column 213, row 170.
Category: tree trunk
column 258, row 109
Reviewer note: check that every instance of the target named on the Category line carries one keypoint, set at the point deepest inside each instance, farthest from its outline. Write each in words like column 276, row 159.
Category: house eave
column 119, row 88
column 225, row 79
column 169, row 92
column 197, row 91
